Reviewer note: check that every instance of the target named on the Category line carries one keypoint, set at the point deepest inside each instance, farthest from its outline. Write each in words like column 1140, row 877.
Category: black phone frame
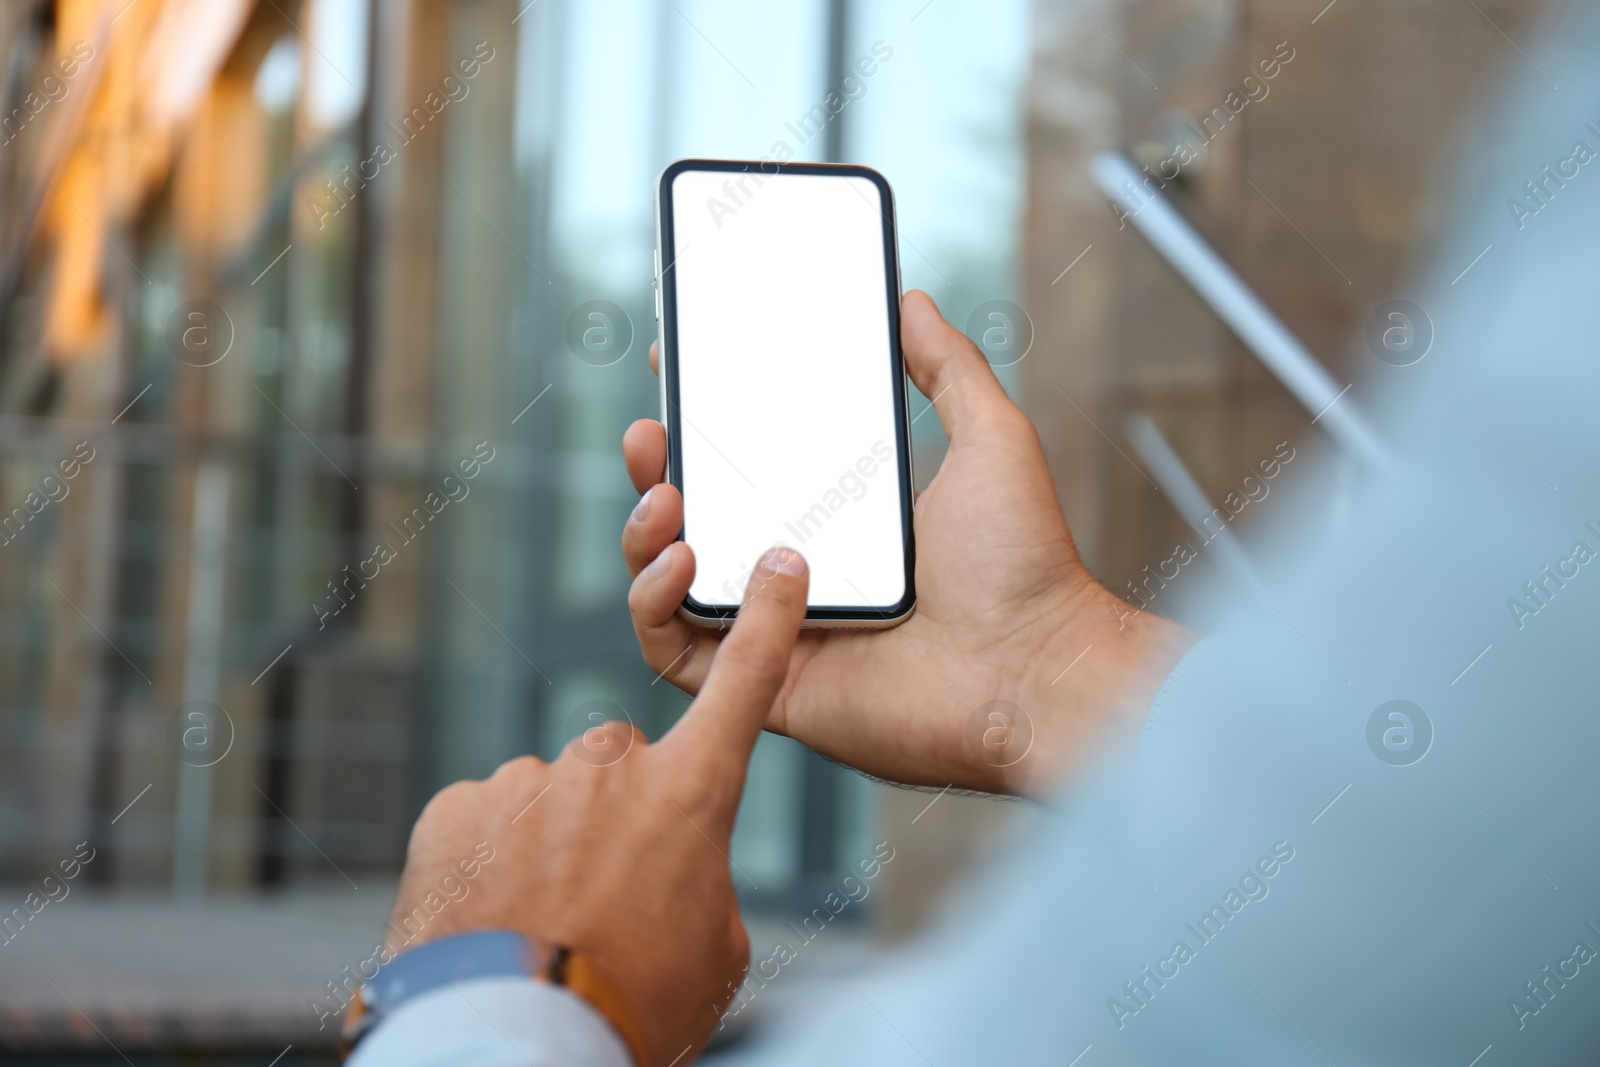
column 713, row 614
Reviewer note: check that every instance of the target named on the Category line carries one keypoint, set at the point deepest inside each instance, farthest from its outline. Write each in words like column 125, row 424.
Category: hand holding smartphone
column 780, row 357
column 783, row 384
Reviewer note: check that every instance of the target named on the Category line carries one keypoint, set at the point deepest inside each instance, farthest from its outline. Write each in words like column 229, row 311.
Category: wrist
column 1090, row 683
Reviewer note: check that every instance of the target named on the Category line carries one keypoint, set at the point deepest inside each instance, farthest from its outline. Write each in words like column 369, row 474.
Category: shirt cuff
column 493, row 1022
column 1162, row 707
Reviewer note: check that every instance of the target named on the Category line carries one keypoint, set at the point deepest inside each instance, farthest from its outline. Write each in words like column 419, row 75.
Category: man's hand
column 1004, row 606
column 619, row 850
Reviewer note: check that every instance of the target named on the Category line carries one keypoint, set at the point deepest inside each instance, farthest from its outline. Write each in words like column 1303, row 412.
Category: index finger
column 720, row 729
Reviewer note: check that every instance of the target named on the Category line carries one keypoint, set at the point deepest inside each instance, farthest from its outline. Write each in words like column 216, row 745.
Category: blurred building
column 288, row 286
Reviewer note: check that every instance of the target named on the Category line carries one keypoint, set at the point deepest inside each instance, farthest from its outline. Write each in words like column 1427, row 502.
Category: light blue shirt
column 1265, row 882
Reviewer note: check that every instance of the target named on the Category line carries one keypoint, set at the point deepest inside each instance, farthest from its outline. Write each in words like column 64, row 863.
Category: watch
column 484, row 954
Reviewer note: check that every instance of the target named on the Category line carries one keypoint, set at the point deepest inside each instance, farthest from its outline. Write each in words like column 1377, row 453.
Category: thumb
column 721, row 727
column 948, row 368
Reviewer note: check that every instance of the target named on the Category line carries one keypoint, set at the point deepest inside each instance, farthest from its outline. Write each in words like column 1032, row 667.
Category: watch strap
column 485, row 954
column 578, row 974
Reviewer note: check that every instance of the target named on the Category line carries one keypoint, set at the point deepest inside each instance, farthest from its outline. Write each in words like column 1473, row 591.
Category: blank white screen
column 785, row 385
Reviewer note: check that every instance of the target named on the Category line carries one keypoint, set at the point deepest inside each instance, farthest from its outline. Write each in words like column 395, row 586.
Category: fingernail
column 659, row 565
column 642, row 508
column 782, row 560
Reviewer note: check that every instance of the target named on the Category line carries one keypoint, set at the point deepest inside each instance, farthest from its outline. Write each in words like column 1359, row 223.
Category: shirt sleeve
column 1170, row 697
column 493, row 1022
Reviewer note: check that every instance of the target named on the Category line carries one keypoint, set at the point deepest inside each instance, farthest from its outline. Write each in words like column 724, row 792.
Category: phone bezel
column 666, row 281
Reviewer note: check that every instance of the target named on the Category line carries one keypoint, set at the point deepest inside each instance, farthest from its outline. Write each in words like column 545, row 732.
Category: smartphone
column 783, row 387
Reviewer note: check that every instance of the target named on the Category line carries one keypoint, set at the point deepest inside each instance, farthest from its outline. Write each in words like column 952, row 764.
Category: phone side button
column 658, row 303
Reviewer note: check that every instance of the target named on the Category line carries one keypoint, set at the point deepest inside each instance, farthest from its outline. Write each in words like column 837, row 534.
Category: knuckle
column 639, row 597
column 452, row 797
column 516, row 770
column 604, row 744
column 1017, row 423
column 964, row 354
column 697, row 790
column 629, row 735
column 998, row 418
column 635, row 547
